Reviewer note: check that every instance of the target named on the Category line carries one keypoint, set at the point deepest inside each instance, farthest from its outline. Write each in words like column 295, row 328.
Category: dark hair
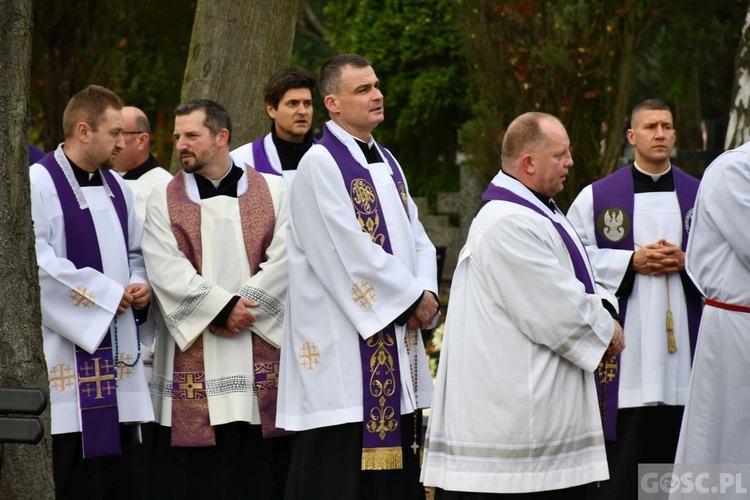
column 217, row 117
column 649, row 105
column 286, row 79
column 88, row 106
column 329, row 79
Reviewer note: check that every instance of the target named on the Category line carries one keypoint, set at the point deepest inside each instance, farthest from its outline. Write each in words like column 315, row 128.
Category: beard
column 192, row 168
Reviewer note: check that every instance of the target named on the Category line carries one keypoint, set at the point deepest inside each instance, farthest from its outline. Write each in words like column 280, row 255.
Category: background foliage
column 454, row 72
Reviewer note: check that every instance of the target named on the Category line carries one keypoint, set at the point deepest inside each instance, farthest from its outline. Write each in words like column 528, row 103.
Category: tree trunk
column 235, row 47
column 26, row 469
column 738, row 129
column 625, row 71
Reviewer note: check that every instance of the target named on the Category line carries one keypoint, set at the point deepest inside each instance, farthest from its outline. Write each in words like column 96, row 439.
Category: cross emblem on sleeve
column 62, row 377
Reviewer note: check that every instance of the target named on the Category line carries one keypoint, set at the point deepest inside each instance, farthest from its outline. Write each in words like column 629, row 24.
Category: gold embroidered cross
column 191, row 386
column 62, row 377
column 124, row 371
column 607, row 370
column 274, row 374
column 98, row 378
column 82, row 297
column 309, row 355
column 363, row 294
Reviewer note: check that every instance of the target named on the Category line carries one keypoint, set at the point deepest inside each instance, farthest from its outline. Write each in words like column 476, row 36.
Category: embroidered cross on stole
column 381, row 378
column 97, row 387
column 191, row 424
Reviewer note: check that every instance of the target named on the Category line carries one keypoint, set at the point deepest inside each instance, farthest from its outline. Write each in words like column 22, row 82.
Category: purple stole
column 494, row 192
column 614, row 198
column 191, row 426
column 260, row 157
column 96, row 376
column 381, row 379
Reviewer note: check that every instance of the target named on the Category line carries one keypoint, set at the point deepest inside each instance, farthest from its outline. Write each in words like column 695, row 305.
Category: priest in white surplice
column 717, row 412
column 142, row 173
column 635, row 224
column 214, row 245
column 93, row 288
column 289, row 104
column 135, row 163
column 362, row 283
column 515, row 407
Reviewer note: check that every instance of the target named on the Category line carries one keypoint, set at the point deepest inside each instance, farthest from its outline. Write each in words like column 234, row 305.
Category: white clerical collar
column 655, row 177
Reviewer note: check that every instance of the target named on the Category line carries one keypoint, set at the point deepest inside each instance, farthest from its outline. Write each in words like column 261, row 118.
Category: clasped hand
column 239, row 319
column 137, row 295
column 661, row 257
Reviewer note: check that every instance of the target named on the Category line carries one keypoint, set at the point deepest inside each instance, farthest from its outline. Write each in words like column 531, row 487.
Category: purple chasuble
column 614, row 198
column 190, row 420
column 494, row 192
column 381, row 379
column 96, row 376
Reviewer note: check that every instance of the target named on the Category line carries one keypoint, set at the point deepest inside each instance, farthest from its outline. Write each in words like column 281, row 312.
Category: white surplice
column 142, row 187
column 515, row 406
column 243, row 155
column 69, row 319
column 717, row 414
column 649, row 374
column 189, row 301
column 333, row 265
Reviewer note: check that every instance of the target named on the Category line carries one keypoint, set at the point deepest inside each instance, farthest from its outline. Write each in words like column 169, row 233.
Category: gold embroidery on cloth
column 404, row 197
column 607, row 369
column 363, row 294
column 365, row 201
column 100, row 381
column 123, row 371
column 388, row 458
column 62, row 377
column 82, row 297
column 383, row 418
column 309, row 356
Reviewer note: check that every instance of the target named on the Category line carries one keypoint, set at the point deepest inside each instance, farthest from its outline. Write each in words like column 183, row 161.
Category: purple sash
column 614, row 196
column 494, row 192
column 96, row 377
column 381, row 378
column 190, row 420
column 260, row 157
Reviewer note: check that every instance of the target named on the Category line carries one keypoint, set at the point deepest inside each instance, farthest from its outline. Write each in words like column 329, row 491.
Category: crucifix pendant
column 414, row 446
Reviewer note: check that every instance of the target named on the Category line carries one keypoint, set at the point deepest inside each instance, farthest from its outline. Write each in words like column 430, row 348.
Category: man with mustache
column 289, row 105
column 94, row 296
column 635, row 225
column 214, row 244
column 363, row 282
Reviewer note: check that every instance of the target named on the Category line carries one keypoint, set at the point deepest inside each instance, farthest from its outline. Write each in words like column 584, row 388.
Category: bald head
column 536, row 151
column 137, row 133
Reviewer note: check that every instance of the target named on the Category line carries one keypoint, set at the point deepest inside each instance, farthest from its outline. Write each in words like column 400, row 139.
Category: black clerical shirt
column 290, row 153
column 141, row 169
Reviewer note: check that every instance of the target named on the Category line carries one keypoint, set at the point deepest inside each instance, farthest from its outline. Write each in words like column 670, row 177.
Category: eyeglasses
column 133, row 132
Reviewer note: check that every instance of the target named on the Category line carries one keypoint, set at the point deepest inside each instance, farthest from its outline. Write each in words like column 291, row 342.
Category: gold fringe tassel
column 671, row 342
column 382, row 458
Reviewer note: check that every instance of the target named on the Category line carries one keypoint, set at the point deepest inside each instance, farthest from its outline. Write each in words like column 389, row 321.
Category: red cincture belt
column 729, row 307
